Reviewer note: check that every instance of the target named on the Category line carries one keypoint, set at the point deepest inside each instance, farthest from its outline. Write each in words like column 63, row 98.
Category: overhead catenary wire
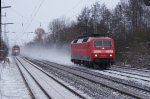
column 36, row 9
column 25, row 17
column 34, row 15
column 28, row 18
column 21, row 16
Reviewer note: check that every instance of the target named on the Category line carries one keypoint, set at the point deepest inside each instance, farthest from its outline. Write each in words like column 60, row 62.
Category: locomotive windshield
column 102, row 43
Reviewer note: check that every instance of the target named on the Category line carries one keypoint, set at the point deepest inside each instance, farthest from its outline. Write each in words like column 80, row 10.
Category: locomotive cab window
column 98, row 43
column 102, row 43
column 85, row 40
column 107, row 43
column 75, row 41
column 80, row 41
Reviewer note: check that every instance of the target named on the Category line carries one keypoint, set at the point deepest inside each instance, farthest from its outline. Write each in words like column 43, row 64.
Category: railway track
column 134, row 72
column 126, row 74
column 40, row 87
column 132, row 68
column 130, row 74
column 120, row 77
column 24, row 79
column 109, row 82
column 42, row 80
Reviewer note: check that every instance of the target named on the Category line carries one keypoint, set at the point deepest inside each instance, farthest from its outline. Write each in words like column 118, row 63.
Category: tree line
column 3, row 50
column 128, row 23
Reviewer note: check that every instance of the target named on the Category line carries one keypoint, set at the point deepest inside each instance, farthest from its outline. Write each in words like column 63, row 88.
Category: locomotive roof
column 101, row 38
column 91, row 35
column 16, row 46
column 81, row 40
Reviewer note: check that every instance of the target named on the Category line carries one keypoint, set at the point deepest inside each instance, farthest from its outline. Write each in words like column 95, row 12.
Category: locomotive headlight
column 96, row 55
column 110, row 55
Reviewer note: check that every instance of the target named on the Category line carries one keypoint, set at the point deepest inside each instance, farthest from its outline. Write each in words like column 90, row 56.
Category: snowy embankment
column 11, row 83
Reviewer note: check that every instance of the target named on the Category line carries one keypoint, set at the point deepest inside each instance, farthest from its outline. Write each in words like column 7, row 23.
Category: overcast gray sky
column 28, row 14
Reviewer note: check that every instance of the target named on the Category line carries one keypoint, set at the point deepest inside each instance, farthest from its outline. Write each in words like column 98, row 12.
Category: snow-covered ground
column 12, row 85
column 53, row 88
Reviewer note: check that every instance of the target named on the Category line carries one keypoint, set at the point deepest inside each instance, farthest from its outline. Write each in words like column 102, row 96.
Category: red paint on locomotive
column 93, row 50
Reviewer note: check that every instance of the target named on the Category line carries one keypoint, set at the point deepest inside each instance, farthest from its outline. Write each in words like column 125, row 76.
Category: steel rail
column 49, row 97
column 112, row 87
column 74, row 92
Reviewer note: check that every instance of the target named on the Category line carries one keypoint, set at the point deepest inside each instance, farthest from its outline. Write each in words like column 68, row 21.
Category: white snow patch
column 123, row 77
column 11, row 83
column 53, row 88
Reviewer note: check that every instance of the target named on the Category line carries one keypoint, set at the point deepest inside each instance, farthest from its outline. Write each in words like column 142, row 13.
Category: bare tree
column 39, row 35
column 57, row 28
column 84, row 21
column 3, row 50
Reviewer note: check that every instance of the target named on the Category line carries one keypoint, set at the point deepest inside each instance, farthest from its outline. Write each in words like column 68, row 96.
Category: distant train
column 93, row 51
column 15, row 50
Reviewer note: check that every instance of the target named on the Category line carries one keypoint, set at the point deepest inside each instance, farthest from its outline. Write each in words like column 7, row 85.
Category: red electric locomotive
column 15, row 50
column 93, row 50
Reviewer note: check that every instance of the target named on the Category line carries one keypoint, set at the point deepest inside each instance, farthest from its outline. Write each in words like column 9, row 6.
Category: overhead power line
column 34, row 15
column 34, row 9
